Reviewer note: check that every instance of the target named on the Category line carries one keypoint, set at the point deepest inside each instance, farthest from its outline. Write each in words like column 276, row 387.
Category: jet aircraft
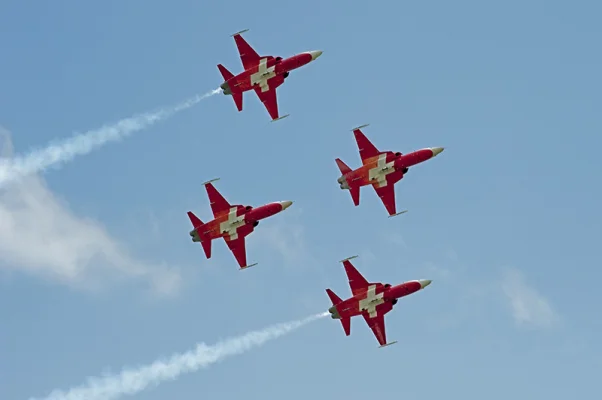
column 262, row 74
column 231, row 222
column 381, row 169
column 370, row 300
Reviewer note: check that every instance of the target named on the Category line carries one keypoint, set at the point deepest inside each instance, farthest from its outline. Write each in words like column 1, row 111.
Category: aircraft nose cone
column 436, row 150
column 285, row 204
column 424, row 282
column 315, row 54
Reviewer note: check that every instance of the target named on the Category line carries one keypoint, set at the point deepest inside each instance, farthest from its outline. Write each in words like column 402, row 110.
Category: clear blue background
column 510, row 89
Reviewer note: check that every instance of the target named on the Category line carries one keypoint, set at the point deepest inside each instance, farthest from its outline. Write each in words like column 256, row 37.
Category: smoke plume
column 80, row 144
column 134, row 380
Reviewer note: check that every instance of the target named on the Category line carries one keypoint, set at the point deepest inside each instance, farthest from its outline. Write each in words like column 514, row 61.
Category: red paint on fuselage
column 242, row 81
column 212, row 229
column 350, row 307
column 413, row 158
column 361, row 176
column 265, row 211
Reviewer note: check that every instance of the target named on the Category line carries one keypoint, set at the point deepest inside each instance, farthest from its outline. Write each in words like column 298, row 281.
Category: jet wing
column 248, row 56
column 377, row 324
column 268, row 98
column 386, row 192
column 365, row 146
column 238, row 248
column 219, row 205
column 357, row 282
column 266, row 91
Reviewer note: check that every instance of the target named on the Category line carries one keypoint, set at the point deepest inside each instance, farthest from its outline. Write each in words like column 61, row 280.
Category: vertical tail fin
column 345, row 321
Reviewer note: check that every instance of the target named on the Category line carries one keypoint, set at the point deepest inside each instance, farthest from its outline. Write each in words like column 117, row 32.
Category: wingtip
column 239, row 32
column 387, row 344
column 212, row 180
column 360, row 127
column 399, row 213
column 279, row 118
column 349, row 258
column 247, row 266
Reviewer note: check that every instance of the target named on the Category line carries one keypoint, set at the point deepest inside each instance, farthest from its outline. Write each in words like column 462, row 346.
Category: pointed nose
column 285, row 204
column 436, row 150
column 315, row 54
column 424, row 283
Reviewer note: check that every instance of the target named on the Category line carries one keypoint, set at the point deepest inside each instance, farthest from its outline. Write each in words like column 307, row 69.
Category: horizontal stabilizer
column 354, row 191
column 237, row 97
column 333, row 297
column 346, row 322
column 196, row 221
column 206, row 248
column 247, row 266
column 227, row 75
column 279, row 118
column 212, row 180
column 387, row 344
column 360, row 127
column 344, row 168
column 239, row 32
column 401, row 212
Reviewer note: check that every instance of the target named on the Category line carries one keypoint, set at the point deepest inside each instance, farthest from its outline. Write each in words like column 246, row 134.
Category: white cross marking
column 382, row 169
column 263, row 74
column 371, row 301
column 232, row 223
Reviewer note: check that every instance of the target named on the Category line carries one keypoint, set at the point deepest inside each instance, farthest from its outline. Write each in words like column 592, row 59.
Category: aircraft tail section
column 355, row 194
column 344, row 168
column 196, row 221
column 345, row 321
column 206, row 247
column 225, row 73
column 237, row 96
column 197, row 233
column 229, row 88
column 354, row 190
column 333, row 297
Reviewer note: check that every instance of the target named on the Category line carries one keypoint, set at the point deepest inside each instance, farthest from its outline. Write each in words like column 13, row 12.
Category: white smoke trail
column 132, row 381
column 80, row 144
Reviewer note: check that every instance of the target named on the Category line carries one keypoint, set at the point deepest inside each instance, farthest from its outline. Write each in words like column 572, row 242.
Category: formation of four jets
column 381, row 169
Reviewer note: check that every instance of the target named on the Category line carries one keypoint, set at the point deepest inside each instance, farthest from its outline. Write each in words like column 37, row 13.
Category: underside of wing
column 386, row 192
column 365, row 146
column 237, row 246
column 266, row 91
column 357, row 282
column 269, row 100
column 248, row 56
column 377, row 324
column 219, row 205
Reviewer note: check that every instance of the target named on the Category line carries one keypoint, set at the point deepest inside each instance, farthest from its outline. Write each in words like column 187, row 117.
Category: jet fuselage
column 374, row 296
column 268, row 68
column 240, row 219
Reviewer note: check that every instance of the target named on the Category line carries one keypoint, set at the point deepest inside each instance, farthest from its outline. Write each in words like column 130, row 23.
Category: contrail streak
column 80, row 144
column 134, row 380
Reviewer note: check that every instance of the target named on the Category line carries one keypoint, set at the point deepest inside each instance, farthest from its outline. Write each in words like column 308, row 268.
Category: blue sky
column 506, row 221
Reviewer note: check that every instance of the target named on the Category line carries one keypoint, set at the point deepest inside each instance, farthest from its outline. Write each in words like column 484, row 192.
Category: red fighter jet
column 381, row 169
column 231, row 222
column 262, row 73
column 370, row 300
